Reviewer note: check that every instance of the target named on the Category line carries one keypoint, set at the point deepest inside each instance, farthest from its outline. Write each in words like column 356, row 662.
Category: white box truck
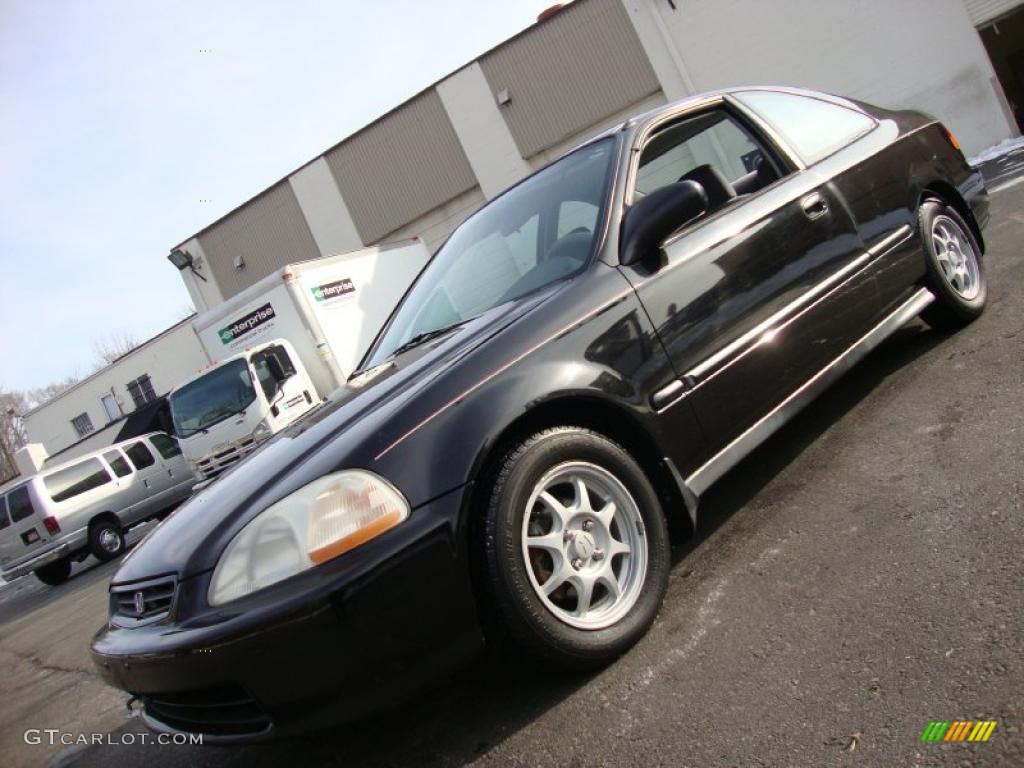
column 283, row 344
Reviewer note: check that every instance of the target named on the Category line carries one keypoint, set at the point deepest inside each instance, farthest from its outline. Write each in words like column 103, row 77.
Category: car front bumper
column 340, row 641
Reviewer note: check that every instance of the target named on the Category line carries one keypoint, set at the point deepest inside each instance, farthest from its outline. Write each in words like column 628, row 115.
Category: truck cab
column 228, row 409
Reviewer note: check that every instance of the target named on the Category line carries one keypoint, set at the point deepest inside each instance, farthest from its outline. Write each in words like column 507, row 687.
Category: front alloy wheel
column 575, row 549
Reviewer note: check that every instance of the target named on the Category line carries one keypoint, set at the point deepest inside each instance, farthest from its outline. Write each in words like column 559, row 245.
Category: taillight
column 951, row 138
column 51, row 524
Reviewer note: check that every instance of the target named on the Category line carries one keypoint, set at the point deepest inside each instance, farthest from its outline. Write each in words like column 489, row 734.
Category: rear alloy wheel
column 106, row 540
column 956, row 275
column 576, row 548
column 54, row 573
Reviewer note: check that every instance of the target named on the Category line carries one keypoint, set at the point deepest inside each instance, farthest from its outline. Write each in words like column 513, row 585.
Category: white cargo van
column 82, row 507
column 282, row 345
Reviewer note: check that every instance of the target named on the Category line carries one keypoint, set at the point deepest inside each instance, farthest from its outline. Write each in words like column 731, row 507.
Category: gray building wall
column 583, row 64
column 400, row 167
column 424, row 167
column 265, row 233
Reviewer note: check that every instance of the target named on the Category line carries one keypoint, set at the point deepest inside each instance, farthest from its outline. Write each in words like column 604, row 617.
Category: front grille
column 215, row 464
column 226, row 711
column 143, row 602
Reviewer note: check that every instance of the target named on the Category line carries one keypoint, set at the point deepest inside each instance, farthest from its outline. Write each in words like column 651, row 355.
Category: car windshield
column 211, row 398
column 541, row 231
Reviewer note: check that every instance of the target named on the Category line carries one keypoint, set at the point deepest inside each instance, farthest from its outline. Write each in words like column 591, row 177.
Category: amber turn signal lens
column 951, row 138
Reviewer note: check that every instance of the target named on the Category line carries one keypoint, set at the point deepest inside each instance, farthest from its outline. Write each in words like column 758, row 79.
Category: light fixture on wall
column 504, row 97
column 239, row 262
column 182, row 259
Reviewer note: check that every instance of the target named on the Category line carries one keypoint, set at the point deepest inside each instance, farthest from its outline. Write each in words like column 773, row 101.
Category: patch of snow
column 1004, row 147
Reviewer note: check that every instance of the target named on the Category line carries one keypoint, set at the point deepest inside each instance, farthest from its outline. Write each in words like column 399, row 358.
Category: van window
column 4, row 519
column 20, row 503
column 140, row 455
column 167, row 446
column 76, row 479
column 117, row 463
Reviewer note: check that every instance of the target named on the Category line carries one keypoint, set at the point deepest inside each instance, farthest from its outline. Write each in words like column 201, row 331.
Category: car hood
column 191, row 540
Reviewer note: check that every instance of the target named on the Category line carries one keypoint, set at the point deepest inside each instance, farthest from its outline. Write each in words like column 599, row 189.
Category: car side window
column 712, row 149
column 117, row 463
column 75, row 480
column 814, row 128
column 140, row 455
column 166, row 445
column 4, row 519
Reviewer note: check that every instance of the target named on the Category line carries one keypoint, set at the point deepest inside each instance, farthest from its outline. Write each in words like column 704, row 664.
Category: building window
column 82, row 424
column 141, row 390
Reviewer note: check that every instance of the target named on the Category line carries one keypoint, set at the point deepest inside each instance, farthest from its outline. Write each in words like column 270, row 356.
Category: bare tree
column 40, row 395
column 111, row 347
column 12, row 430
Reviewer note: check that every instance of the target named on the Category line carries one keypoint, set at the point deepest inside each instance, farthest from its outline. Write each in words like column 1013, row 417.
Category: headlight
column 262, row 432
column 326, row 518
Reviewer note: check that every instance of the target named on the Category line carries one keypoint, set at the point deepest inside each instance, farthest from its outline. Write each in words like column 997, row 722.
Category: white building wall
column 168, row 359
column 920, row 54
column 482, row 131
column 324, row 209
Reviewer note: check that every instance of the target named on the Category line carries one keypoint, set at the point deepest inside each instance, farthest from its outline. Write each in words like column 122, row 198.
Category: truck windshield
column 536, row 233
column 222, row 392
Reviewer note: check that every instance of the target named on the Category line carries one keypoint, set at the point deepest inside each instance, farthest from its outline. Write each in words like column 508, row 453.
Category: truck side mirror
column 654, row 217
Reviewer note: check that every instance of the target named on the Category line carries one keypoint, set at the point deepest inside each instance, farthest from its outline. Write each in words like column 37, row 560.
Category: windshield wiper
column 425, row 336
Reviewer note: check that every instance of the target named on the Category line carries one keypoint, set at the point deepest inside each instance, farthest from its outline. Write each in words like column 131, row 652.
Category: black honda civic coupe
column 577, row 364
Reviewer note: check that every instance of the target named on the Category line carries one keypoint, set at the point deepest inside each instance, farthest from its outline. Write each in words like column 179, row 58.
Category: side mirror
column 654, row 217
column 276, row 370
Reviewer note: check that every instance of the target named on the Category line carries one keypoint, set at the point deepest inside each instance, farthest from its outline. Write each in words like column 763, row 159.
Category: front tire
column 955, row 272
column 576, row 549
column 106, row 540
column 54, row 573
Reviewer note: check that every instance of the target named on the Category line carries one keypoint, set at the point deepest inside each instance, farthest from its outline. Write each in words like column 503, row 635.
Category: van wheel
column 54, row 573
column 575, row 549
column 106, row 540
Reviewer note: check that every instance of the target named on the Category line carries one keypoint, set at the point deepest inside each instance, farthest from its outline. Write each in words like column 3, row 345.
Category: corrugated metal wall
column 982, row 11
column 268, row 232
column 400, row 167
column 565, row 74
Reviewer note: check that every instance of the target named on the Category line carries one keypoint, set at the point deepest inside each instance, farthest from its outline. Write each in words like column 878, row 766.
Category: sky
column 117, row 118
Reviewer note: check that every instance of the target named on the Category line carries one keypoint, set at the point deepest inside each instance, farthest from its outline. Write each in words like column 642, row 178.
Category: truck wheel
column 575, row 545
column 106, row 540
column 54, row 573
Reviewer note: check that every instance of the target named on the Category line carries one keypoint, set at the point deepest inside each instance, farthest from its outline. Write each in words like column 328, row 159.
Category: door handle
column 815, row 206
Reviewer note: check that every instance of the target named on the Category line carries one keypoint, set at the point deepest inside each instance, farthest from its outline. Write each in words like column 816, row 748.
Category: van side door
column 152, row 476
column 174, row 463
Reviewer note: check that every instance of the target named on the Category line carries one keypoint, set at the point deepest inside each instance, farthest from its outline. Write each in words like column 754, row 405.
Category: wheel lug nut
column 577, row 563
column 598, row 554
column 588, row 525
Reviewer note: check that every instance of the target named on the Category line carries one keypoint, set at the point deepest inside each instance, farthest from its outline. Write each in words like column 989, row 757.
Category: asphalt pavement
column 855, row 578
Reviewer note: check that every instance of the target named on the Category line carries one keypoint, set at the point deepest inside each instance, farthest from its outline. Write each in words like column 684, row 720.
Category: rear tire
column 54, row 573
column 955, row 271
column 575, row 549
column 106, row 540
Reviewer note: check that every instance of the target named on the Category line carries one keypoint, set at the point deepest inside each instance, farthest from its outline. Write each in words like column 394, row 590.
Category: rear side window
column 812, row 127
column 76, row 480
column 19, row 502
column 167, row 446
column 117, row 463
column 140, row 455
column 4, row 519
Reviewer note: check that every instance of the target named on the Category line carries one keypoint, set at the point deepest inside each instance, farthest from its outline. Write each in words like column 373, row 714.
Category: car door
column 131, row 490
column 753, row 297
column 288, row 399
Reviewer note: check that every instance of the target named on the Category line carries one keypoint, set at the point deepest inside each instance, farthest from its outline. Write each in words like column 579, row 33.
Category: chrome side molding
column 698, row 482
